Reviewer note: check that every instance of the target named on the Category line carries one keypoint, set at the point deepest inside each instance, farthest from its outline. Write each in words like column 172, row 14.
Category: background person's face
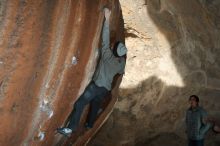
column 192, row 101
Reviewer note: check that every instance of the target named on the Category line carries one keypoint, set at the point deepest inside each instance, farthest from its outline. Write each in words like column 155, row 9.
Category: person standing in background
column 196, row 122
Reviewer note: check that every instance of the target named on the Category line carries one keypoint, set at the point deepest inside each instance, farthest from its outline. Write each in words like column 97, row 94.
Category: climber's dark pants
column 196, row 142
column 93, row 94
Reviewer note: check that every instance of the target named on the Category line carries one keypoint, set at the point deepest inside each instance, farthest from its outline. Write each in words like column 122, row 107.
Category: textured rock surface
column 39, row 78
column 174, row 49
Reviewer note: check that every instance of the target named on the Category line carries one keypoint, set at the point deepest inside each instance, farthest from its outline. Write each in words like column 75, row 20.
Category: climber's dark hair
column 114, row 50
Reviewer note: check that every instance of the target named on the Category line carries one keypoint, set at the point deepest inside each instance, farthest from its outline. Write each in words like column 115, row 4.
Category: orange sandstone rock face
column 48, row 53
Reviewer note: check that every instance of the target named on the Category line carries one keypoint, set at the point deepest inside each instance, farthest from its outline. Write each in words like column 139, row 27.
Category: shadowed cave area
column 173, row 52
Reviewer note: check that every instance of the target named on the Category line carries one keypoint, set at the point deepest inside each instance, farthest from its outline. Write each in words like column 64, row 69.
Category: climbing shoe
column 65, row 131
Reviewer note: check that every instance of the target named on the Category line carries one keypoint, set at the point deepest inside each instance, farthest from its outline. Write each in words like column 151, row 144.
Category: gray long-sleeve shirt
column 109, row 65
column 196, row 127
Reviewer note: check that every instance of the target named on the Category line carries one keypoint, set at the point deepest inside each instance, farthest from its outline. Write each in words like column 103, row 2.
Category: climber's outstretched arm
column 105, row 51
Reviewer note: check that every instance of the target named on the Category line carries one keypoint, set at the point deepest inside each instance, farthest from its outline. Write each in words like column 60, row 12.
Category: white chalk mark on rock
column 74, row 60
column 41, row 135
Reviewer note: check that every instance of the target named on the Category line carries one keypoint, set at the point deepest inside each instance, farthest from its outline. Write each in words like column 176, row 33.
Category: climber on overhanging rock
column 112, row 62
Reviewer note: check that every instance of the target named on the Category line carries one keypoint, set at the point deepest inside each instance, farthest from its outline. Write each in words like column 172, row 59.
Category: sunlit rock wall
column 40, row 77
column 174, row 49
